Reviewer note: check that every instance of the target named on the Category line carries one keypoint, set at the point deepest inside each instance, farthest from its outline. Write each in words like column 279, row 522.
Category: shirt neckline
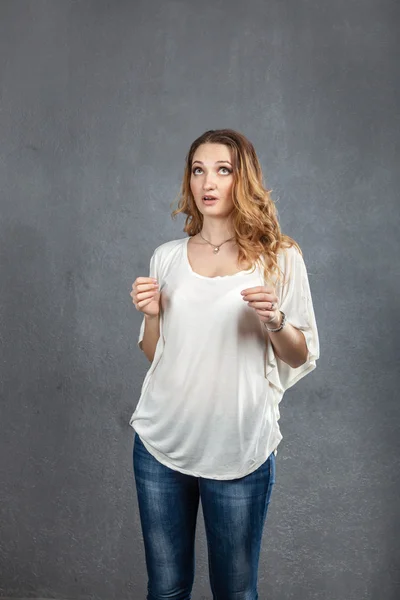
column 186, row 256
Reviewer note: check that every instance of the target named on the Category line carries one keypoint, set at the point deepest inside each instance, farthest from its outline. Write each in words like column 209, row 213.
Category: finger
column 267, row 289
column 260, row 298
column 264, row 305
column 144, row 303
column 136, row 296
column 145, row 280
column 144, row 287
column 144, row 295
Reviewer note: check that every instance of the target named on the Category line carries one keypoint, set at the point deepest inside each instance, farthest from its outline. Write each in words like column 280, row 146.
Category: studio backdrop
column 100, row 101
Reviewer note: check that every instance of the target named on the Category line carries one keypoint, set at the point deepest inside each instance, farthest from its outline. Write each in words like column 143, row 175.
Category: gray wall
column 100, row 101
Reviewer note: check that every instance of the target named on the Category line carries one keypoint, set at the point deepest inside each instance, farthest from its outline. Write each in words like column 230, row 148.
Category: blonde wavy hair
column 254, row 218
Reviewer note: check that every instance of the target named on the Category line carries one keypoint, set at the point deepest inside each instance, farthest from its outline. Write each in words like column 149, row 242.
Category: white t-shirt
column 209, row 401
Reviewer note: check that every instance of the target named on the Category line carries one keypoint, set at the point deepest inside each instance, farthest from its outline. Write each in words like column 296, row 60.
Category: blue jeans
column 234, row 514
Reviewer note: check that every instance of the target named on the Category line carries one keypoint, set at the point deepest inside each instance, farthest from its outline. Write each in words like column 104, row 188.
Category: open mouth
column 209, row 199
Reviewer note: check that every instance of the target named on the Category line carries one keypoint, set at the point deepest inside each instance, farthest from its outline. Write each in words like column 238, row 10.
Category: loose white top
column 209, row 401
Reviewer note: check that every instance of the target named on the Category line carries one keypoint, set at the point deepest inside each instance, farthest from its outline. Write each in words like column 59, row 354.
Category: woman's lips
column 210, row 202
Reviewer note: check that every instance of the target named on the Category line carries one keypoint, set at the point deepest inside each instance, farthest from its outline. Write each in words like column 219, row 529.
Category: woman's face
column 212, row 175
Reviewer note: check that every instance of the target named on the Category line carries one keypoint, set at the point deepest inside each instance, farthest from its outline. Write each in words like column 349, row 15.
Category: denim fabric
column 234, row 515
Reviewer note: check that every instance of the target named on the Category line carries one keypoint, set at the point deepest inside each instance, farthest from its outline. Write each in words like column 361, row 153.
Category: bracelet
column 281, row 326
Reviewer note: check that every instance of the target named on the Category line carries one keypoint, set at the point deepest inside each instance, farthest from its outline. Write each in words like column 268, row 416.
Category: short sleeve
column 153, row 272
column 295, row 301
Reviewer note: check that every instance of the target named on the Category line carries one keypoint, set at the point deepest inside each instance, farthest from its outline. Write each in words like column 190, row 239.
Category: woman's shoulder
column 288, row 254
column 167, row 247
column 290, row 260
column 167, row 254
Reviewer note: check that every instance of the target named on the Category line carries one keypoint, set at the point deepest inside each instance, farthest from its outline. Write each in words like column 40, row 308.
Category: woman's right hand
column 146, row 296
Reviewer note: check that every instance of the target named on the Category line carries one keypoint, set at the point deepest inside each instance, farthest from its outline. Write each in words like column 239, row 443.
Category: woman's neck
column 216, row 232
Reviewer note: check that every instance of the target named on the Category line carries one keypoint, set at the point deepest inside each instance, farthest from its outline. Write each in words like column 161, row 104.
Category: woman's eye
column 226, row 169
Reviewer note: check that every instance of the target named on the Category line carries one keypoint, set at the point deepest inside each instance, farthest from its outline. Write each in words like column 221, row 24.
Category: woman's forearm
column 289, row 344
column 150, row 336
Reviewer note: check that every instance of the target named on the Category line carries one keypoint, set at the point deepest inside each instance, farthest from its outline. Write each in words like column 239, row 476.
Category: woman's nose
column 209, row 182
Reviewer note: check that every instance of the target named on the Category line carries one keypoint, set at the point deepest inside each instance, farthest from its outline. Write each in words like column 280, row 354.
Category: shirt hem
column 167, row 463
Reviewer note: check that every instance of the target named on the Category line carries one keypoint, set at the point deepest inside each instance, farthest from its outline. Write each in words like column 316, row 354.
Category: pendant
column 216, row 250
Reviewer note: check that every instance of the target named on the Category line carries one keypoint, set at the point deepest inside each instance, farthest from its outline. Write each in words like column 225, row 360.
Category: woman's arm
column 150, row 336
column 289, row 343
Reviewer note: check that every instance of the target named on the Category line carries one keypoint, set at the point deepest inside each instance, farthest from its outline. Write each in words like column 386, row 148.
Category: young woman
column 228, row 325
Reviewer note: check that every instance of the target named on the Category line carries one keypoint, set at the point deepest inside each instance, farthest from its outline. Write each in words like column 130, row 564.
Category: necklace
column 216, row 248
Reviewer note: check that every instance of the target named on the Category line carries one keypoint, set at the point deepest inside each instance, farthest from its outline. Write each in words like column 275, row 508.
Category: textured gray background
column 100, row 101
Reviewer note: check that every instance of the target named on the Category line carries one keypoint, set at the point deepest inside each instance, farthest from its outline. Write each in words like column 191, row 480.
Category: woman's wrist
column 276, row 321
column 151, row 317
column 275, row 326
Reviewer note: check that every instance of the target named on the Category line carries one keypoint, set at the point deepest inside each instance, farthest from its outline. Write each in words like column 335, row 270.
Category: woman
column 228, row 325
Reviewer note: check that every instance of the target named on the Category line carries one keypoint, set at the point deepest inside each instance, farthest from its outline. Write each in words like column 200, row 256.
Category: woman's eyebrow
column 216, row 162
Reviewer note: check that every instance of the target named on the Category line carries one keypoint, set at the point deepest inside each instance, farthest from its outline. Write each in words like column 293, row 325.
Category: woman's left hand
column 265, row 302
